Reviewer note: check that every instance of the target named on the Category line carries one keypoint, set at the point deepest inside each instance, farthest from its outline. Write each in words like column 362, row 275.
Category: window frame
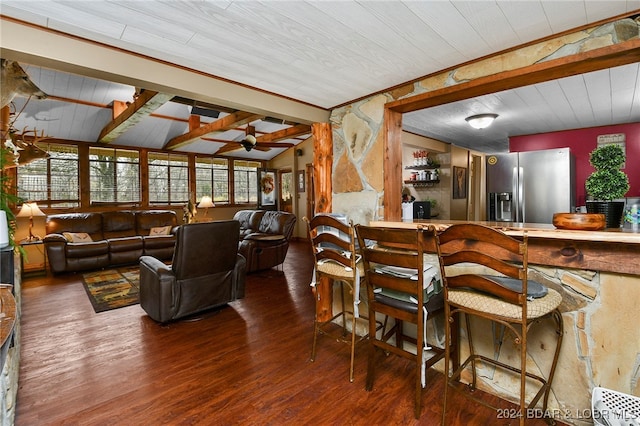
column 118, row 163
column 175, row 163
column 50, row 178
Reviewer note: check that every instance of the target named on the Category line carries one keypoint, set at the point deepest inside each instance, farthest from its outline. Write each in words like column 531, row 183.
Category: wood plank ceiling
column 322, row 53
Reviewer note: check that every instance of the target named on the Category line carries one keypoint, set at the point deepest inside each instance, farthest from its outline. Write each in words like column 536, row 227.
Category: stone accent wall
column 357, row 138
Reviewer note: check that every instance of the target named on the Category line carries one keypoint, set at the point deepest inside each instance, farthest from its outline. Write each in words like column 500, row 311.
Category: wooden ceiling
column 321, row 54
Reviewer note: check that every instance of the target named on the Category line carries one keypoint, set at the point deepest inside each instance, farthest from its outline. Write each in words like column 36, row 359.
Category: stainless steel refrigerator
column 530, row 186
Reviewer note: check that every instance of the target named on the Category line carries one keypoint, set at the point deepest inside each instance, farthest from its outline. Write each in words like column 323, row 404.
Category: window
column 168, row 178
column 53, row 181
column 212, row 179
column 245, row 174
column 114, row 176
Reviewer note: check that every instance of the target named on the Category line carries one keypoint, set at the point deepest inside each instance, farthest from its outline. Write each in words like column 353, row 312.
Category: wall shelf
column 422, row 183
column 428, row 167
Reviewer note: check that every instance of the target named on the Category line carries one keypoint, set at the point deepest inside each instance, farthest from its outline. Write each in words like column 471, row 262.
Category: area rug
column 112, row 288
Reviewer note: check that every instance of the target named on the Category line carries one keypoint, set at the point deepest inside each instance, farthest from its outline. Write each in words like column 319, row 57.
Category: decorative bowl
column 579, row 221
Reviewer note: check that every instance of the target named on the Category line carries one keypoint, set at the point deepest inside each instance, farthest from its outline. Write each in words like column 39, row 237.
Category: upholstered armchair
column 206, row 272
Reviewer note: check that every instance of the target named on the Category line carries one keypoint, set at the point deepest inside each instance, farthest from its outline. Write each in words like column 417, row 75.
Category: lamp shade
column 206, row 202
column 481, row 121
column 30, row 210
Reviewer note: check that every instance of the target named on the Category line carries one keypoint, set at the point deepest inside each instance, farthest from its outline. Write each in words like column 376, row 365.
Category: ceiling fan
column 249, row 141
column 266, row 141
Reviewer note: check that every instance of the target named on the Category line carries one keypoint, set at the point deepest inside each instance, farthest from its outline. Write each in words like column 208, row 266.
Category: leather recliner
column 264, row 237
column 206, row 272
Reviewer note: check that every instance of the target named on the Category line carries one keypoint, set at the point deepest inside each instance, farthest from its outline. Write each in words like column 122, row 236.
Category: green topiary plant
column 608, row 182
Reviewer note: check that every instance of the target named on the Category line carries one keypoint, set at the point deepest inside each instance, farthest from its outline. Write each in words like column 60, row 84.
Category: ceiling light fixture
column 481, row 121
column 249, row 142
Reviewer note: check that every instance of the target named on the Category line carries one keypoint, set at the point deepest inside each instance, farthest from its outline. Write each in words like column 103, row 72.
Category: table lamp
column 30, row 210
column 206, row 202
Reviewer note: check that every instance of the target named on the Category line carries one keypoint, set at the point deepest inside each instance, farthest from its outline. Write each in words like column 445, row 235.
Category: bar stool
column 336, row 258
column 401, row 285
column 499, row 292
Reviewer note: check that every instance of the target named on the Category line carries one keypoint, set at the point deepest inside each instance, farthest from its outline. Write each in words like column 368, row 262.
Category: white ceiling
column 327, row 53
column 600, row 98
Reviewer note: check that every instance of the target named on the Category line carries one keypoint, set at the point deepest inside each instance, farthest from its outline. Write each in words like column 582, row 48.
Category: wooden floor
column 247, row 363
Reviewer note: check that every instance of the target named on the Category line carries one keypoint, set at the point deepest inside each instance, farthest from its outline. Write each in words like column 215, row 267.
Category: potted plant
column 6, row 215
column 433, row 209
column 607, row 183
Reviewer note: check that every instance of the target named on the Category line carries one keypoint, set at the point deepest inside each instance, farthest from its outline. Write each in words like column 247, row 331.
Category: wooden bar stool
column 400, row 285
column 491, row 282
column 336, row 258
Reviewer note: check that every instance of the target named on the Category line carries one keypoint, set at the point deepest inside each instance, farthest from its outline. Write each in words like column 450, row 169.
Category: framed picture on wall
column 459, row 182
column 267, row 188
column 300, row 180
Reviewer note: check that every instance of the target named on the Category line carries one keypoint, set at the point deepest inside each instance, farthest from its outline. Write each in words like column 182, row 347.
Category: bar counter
column 609, row 250
column 598, row 275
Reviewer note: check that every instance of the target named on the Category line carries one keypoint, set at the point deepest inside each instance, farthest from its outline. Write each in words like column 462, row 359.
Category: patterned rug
column 112, row 288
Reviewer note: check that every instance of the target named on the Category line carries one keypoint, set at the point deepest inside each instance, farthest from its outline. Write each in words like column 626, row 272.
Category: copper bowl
column 579, row 221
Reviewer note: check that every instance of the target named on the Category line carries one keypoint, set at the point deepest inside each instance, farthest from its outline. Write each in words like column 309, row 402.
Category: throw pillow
column 77, row 237
column 160, row 230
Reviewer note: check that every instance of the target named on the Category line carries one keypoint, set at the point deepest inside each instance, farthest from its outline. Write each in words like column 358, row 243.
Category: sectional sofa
column 85, row 241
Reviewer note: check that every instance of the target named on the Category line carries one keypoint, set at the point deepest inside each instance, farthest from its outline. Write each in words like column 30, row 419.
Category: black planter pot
column 612, row 211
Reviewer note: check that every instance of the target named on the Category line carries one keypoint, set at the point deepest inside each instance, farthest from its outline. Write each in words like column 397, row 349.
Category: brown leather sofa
column 206, row 272
column 264, row 237
column 117, row 238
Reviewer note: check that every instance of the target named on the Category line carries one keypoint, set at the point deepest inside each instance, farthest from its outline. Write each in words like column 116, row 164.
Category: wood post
column 392, row 165
column 322, row 169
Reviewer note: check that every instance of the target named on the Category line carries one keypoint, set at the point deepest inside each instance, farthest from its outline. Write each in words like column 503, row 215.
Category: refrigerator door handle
column 521, row 197
column 515, row 199
column 517, row 203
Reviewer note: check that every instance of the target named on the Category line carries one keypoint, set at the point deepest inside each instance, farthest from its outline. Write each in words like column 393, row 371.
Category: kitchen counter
column 534, row 230
column 609, row 250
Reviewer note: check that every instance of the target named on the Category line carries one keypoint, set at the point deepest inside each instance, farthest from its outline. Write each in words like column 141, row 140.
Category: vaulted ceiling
column 321, row 54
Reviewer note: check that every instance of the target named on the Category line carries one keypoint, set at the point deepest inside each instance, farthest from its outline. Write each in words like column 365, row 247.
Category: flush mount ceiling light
column 481, row 121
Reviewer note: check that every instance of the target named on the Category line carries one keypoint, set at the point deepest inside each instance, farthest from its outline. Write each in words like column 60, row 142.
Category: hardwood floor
column 247, row 363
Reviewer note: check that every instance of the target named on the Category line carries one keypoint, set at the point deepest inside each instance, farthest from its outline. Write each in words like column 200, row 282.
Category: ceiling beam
column 140, row 108
column 594, row 60
column 227, row 122
column 288, row 133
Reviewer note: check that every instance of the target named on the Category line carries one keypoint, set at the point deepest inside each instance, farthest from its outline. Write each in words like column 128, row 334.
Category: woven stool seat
column 485, row 303
column 501, row 294
column 338, row 270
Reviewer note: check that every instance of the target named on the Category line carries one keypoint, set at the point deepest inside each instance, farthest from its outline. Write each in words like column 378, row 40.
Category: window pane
column 246, row 181
column 179, row 189
column 52, row 181
column 114, row 175
column 128, row 181
column 168, row 178
column 212, row 179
